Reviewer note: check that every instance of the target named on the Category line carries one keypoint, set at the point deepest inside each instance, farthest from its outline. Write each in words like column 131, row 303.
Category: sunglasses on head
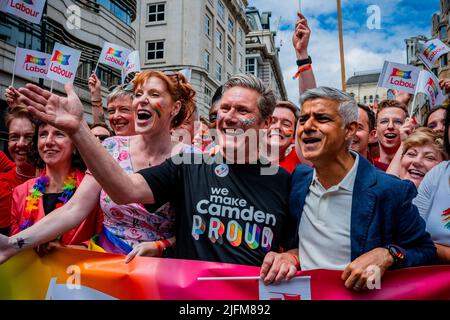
column 102, row 137
column 129, row 87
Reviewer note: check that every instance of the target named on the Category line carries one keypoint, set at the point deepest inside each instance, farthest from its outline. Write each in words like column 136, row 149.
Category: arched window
column 371, row 99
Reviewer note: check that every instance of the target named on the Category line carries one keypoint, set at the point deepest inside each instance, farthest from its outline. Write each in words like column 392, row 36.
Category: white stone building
column 207, row 36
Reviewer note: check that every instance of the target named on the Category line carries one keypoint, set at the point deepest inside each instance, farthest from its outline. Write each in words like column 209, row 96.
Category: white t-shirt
column 433, row 202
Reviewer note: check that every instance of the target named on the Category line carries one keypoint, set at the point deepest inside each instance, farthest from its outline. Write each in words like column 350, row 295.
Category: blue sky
column 365, row 49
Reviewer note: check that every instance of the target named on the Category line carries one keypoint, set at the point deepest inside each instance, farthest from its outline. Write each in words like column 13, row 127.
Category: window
column 371, row 99
column 443, row 33
column 365, row 99
column 230, row 52
column 218, row 71
column 156, row 12
column 241, row 61
column 240, row 35
column 155, row 50
column 207, row 25
column 116, row 9
column 211, row 2
column 221, row 10
column 208, row 96
column 230, row 25
column 219, row 37
column 444, row 61
column 251, row 67
column 206, row 60
column 377, row 98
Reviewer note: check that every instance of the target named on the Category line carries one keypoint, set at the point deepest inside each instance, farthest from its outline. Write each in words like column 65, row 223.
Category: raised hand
column 12, row 97
column 95, row 87
column 403, row 97
column 300, row 39
column 64, row 113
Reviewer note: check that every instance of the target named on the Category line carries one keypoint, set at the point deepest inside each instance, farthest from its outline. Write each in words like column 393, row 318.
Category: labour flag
column 30, row 10
column 114, row 55
column 431, row 51
column 132, row 64
column 63, row 63
column 401, row 77
column 31, row 63
column 429, row 84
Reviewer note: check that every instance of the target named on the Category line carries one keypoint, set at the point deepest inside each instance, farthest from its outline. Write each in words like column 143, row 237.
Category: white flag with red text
column 397, row 76
column 429, row 84
column 31, row 63
column 432, row 51
column 63, row 64
column 114, row 55
column 30, row 10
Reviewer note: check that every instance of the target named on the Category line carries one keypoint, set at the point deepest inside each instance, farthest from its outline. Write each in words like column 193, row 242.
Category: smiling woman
column 62, row 171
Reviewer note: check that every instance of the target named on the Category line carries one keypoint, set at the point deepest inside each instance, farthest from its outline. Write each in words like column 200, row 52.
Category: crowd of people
column 331, row 185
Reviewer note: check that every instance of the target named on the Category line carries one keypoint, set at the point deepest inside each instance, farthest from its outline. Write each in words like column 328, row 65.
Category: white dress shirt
column 324, row 230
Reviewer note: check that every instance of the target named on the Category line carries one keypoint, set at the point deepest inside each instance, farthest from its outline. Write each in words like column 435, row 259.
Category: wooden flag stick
column 341, row 45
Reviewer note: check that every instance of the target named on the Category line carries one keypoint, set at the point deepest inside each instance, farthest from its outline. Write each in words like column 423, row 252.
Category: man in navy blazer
column 350, row 216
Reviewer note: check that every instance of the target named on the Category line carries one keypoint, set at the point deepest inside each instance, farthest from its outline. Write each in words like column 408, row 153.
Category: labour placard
column 30, row 10
column 63, row 64
column 431, row 51
column 30, row 63
column 401, row 77
column 113, row 55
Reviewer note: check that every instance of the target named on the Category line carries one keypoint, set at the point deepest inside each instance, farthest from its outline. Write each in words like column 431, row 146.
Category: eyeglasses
column 129, row 87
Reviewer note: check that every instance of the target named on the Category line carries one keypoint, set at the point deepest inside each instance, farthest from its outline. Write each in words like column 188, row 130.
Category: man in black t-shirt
column 235, row 211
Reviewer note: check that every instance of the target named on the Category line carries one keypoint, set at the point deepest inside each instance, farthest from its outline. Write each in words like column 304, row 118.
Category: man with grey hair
column 350, row 216
column 225, row 212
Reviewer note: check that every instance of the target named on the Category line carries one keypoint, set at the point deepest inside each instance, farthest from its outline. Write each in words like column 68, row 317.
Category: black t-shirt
column 225, row 213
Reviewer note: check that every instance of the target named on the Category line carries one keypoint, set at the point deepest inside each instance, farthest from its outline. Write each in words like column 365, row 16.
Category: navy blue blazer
column 382, row 213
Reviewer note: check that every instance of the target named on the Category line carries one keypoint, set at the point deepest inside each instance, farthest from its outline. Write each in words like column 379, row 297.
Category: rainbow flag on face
column 35, row 60
column 61, row 58
column 401, row 74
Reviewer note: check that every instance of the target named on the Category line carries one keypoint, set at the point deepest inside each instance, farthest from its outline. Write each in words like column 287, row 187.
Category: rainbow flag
column 433, row 87
column 115, row 52
column 61, row 58
column 80, row 274
column 401, row 74
column 428, row 50
column 35, row 60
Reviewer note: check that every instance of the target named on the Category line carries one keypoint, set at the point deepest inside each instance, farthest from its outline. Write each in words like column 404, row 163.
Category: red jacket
column 8, row 181
column 86, row 230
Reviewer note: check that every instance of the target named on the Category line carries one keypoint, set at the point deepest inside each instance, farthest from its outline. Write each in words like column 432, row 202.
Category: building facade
column 261, row 52
column 363, row 87
column 93, row 23
column 206, row 36
column 440, row 27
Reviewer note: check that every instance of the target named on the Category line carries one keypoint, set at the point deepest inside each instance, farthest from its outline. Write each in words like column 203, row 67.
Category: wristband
column 303, row 62
column 301, row 70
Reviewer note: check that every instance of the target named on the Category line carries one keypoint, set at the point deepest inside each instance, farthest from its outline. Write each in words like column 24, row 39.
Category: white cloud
column 364, row 49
